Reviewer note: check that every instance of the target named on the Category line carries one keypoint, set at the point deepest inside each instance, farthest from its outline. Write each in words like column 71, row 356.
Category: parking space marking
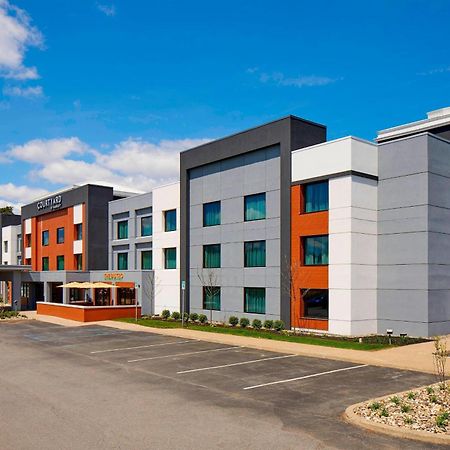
column 236, row 364
column 305, row 377
column 184, row 354
column 141, row 346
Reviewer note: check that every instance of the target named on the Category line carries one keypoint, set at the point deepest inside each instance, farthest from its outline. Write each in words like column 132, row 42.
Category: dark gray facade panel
column 289, row 133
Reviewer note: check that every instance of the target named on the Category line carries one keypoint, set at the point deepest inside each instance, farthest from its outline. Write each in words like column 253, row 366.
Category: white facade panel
column 28, row 253
column 77, row 214
column 77, row 247
column 10, row 246
column 28, row 226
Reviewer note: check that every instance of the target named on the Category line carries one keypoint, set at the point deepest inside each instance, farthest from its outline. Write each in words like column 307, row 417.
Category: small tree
column 209, row 281
column 440, row 355
column 6, row 210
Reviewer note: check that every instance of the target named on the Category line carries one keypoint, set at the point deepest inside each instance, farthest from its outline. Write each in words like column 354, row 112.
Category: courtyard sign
column 50, row 203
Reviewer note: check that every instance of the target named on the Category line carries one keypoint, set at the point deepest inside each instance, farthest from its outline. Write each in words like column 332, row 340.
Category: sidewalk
column 417, row 357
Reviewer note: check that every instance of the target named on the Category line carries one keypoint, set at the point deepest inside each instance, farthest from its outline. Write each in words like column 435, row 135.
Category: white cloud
column 435, row 71
column 302, row 81
column 26, row 92
column 41, row 151
column 132, row 164
column 16, row 36
column 108, row 10
column 11, row 193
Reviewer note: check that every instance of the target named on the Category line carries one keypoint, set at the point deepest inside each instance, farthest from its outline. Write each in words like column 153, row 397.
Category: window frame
column 166, row 260
column 119, row 255
column 303, row 189
column 144, row 252
column 246, row 198
column 120, row 223
column 78, row 232
column 248, row 243
column 47, row 260
column 58, row 259
column 45, row 233
column 150, row 218
column 302, row 297
column 220, row 213
column 303, row 250
column 166, row 222
column 58, row 241
column 246, row 310
column 204, row 295
column 204, row 256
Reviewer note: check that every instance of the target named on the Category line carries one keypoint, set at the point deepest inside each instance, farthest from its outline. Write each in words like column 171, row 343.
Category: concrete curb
column 352, row 418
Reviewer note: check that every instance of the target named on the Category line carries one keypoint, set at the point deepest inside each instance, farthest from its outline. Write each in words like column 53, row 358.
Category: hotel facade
column 346, row 237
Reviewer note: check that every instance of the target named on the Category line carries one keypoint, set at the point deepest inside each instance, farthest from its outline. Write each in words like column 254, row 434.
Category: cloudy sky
column 101, row 91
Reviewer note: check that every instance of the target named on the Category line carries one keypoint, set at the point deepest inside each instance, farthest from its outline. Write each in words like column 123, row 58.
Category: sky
column 112, row 91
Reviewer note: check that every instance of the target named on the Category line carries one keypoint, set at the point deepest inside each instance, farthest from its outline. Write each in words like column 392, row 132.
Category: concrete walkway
column 417, row 357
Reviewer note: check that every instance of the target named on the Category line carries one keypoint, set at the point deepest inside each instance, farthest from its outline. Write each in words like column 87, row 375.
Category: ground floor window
column 211, row 297
column 126, row 296
column 60, row 263
column 102, row 297
column 255, row 300
column 315, row 303
column 79, row 262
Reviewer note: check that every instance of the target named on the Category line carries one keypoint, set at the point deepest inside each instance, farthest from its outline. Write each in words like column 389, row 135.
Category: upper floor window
column 146, row 226
column 45, row 263
column 78, row 232
column 211, row 214
column 315, row 250
column 255, row 207
column 255, row 254
column 122, row 261
column 146, row 260
column 5, row 246
column 122, row 229
column 19, row 242
column 170, row 220
column 79, row 262
column 45, row 237
column 60, row 235
column 28, row 240
column 60, row 263
column 315, row 197
column 211, row 256
column 170, row 258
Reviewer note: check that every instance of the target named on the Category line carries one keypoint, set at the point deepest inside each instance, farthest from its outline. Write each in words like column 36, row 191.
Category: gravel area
column 425, row 409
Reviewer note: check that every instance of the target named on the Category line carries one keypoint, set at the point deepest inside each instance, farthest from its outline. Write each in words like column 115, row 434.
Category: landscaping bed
column 272, row 330
column 9, row 314
column 426, row 409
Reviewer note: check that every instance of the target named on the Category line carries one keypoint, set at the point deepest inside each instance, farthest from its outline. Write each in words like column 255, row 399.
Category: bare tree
column 209, row 281
column 440, row 355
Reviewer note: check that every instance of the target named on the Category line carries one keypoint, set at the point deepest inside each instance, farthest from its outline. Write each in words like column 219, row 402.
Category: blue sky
column 113, row 90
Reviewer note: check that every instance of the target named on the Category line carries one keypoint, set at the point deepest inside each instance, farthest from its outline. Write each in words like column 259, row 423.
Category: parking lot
column 99, row 387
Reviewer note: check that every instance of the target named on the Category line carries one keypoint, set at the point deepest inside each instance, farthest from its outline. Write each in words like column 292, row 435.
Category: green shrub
column 395, row 400
column 233, row 320
column 433, row 399
column 186, row 317
column 384, row 413
column 193, row 317
column 430, row 390
column 442, row 420
column 202, row 318
column 268, row 324
column 244, row 322
column 411, row 395
column 257, row 324
column 375, row 406
column 176, row 315
column 405, row 408
column 278, row 325
column 165, row 314
column 408, row 420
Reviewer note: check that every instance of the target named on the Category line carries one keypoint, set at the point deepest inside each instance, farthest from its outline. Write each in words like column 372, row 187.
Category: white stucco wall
column 9, row 234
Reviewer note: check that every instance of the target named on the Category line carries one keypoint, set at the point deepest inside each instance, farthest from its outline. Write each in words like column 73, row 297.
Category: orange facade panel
column 302, row 276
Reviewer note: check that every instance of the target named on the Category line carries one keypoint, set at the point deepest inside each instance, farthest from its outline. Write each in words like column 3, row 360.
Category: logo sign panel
column 113, row 276
column 50, row 203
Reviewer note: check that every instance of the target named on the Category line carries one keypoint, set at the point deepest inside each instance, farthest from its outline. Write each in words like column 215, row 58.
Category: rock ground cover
column 424, row 409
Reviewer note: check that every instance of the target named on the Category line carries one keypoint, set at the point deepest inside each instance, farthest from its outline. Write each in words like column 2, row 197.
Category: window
column 5, row 246
column 122, row 229
column 211, row 298
column 45, row 263
column 255, row 254
column 315, row 303
column 255, row 300
column 60, row 235
column 146, row 260
column 19, row 242
column 79, row 262
column 255, row 207
column 211, row 256
column 315, row 197
column 126, row 296
column 170, row 258
column 170, row 220
column 122, row 261
column 45, row 237
column 78, row 231
column 19, row 260
column 60, row 263
column 146, row 226
column 211, row 214
column 28, row 240
column 315, row 250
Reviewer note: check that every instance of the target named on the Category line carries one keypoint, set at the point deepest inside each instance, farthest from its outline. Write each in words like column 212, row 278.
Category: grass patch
column 262, row 334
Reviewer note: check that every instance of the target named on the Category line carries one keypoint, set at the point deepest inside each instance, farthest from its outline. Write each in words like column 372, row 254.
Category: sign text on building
column 50, row 203
column 113, row 276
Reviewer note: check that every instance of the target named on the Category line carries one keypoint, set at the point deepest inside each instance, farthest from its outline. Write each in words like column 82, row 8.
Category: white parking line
column 305, row 377
column 236, row 364
column 183, row 354
column 141, row 346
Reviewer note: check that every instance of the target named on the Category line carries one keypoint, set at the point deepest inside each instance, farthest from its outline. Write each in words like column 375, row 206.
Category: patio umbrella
column 72, row 284
column 100, row 285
